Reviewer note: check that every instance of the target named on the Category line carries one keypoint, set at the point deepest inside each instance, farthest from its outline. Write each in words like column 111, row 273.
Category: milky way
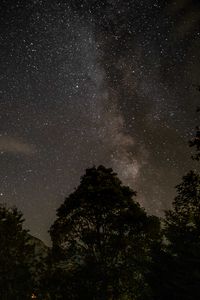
column 84, row 83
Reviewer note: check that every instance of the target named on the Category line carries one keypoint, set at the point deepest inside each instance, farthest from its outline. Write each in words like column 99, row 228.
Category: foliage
column 178, row 264
column 15, row 276
column 104, row 237
column 38, row 264
column 183, row 221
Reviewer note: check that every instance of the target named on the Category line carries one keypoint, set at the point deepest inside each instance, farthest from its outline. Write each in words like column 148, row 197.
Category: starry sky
column 89, row 82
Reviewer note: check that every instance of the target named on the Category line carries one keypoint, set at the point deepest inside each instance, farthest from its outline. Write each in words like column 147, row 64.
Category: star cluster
column 85, row 83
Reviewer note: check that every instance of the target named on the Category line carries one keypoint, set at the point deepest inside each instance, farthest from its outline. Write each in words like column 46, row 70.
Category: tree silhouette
column 179, row 269
column 15, row 276
column 103, row 237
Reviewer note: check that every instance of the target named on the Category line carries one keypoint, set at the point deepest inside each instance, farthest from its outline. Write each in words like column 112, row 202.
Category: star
column 85, row 84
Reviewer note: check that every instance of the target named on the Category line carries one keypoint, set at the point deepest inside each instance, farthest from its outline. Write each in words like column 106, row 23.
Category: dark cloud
column 15, row 146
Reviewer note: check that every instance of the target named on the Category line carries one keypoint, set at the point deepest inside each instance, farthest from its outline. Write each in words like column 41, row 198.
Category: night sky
column 84, row 83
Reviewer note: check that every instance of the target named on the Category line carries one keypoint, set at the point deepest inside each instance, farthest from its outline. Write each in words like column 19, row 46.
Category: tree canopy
column 182, row 230
column 103, row 233
column 177, row 261
column 15, row 276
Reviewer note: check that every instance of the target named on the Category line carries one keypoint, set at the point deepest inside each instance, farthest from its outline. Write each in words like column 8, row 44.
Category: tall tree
column 182, row 233
column 103, row 237
column 176, row 268
column 15, row 276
